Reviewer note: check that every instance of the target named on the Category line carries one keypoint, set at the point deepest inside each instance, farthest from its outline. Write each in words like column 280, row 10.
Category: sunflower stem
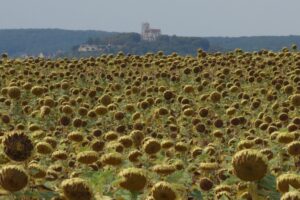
column 252, row 189
column 134, row 195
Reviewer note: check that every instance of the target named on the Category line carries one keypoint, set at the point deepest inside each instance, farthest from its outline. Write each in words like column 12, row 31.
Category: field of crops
column 152, row 127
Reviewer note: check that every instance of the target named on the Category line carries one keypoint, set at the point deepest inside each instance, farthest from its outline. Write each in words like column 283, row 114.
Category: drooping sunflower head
column 206, row 183
column 133, row 179
column 13, row 178
column 87, row 157
column 14, row 92
column 294, row 195
column 152, row 146
column 76, row 189
column 284, row 181
column 249, row 165
column 17, row 146
column 164, row 169
column 164, row 191
column 295, row 100
column 113, row 159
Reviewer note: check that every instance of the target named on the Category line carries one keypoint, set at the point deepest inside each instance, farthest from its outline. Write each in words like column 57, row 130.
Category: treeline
column 18, row 42
column 133, row 44
column 253, row 43
column 57, row 42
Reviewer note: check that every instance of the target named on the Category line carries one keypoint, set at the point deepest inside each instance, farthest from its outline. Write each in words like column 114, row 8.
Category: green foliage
column 196, row 194
column 17, row 42
column 180, row 177
column 126, row 195
column 47, row 195
column 100, row 179
column 132, row 43
column 267, row 187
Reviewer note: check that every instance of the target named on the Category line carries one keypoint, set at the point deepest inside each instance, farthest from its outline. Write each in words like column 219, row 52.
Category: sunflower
column 249, row 165
column 17, row 146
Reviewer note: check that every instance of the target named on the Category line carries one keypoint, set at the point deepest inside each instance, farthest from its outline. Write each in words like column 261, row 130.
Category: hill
column 133, row 44
column 52, row 42
column 17, row 42
column 253, row 43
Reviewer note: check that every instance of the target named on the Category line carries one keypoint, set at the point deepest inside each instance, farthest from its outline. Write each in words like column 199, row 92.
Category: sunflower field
column 215, row 126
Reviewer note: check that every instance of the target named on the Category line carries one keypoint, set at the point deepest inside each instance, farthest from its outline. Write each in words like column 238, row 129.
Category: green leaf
column 196, row 194
column 47, row 195
column 181, row 177
column 231, row 179
column 100, row 179
column 267, row 187
column 123, row 193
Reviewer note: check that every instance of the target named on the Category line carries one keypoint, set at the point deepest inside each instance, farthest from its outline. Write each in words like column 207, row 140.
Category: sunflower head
column 164, row 191
column 87, row 157
column 284, row 181
column 13, row 178
column 249, row 165
column 76, row 189
column 113, row 159
column 294, row 195
column 17, row 146
column 133, row 179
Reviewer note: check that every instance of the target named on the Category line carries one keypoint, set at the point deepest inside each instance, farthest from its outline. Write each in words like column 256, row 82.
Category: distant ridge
column 254, row 43
column 19, row 42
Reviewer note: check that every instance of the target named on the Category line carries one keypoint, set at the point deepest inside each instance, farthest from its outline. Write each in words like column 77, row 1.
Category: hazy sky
column 180, row 17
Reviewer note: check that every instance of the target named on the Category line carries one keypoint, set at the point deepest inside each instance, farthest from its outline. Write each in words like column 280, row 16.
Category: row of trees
column 132, row 43
column 18, row 42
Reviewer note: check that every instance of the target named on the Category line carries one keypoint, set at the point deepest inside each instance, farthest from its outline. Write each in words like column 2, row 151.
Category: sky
column 173, row 17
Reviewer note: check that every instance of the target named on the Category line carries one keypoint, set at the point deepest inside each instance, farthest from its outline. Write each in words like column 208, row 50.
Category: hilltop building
column 149, row 34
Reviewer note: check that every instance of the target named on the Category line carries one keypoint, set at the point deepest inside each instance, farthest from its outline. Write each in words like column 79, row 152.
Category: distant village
column 147, row 34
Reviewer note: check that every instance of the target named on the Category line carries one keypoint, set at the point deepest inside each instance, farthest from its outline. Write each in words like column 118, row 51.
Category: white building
column 88, row 48
column 149, row 34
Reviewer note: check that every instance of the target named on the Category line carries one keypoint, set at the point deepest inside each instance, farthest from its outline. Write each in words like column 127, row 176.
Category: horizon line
column 97, row 30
